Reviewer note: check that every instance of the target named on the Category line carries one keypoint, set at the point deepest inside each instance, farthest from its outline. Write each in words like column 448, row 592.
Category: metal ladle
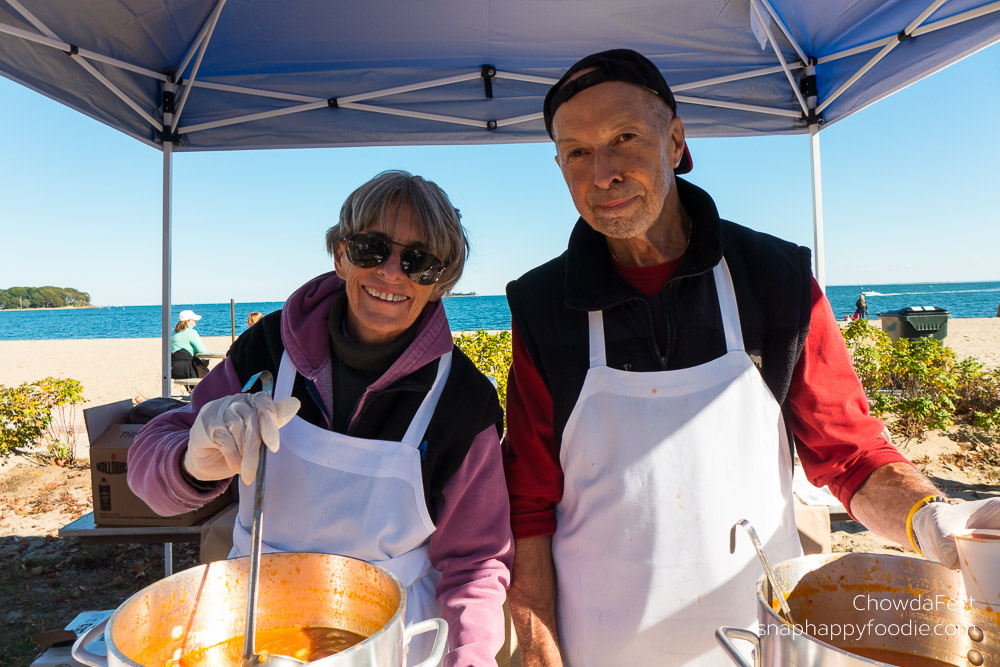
column 250, row 656
column 775, row 584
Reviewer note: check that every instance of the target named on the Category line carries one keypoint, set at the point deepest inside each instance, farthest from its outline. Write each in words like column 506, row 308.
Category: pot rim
column 400, row 608
column 969, row 534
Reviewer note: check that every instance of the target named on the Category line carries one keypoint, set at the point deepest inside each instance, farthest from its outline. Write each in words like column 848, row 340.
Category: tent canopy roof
column 271, row 73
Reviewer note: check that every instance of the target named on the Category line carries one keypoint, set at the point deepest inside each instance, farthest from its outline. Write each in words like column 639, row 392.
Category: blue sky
column 911, row 194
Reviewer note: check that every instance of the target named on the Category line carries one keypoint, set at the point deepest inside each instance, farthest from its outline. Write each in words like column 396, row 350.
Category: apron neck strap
column 597, row 355
column 415, row 433
column 286, row 377
column 727, row 307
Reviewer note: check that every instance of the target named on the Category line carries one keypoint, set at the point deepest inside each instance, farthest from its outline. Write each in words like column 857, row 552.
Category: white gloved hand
column 226, row 435
column 934, row 525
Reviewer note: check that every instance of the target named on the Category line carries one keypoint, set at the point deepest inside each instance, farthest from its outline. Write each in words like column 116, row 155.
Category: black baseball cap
column 614, row 65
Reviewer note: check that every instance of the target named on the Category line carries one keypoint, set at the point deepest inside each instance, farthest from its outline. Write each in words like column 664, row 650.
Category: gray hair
column 378, row 200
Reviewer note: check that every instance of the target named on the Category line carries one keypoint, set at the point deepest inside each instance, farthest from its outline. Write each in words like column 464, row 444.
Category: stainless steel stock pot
column 864, row 609
column 206, row 605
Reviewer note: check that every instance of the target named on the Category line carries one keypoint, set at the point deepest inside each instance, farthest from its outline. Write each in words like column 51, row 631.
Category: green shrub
column 977, row 390
column 921, row 369
column 987, row 420
column 920, row 382
column 871, row 353
column 491, row 353
column 37, row 410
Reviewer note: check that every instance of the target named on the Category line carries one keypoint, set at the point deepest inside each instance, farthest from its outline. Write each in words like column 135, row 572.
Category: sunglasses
column 366, row 251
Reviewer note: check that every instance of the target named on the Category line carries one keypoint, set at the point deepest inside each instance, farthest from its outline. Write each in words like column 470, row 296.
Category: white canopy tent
column 196, row 75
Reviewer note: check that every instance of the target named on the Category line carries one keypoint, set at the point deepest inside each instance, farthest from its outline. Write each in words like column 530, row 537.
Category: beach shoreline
column 29, row 310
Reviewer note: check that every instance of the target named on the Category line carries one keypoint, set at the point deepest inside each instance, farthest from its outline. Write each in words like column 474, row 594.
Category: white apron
column 658, row 467
column 326, row 492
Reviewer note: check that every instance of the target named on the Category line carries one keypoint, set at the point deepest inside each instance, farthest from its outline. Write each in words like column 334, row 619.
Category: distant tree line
column 42, row 297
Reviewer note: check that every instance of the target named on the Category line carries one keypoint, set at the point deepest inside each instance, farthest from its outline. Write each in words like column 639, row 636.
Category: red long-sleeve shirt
column 838, row 442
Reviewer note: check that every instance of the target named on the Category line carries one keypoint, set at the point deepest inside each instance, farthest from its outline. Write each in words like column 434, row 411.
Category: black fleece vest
column 678, row 328
column 468, row 404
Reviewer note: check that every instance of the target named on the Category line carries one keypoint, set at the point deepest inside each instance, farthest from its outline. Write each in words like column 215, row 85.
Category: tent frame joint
column 73, row 51
column 175, row 138
column 492, row 125
column 332, row 103
column 902, row 36
column 488, row 72
column 813, row 118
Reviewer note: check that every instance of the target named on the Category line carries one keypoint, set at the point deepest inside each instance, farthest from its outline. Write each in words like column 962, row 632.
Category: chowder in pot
column 864, row 609
column 205, row 607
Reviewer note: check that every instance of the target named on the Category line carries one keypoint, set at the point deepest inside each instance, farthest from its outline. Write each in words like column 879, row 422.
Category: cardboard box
column 114, row 502
column 61, row 655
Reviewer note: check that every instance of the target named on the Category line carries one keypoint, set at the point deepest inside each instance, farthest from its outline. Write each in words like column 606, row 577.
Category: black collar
column 593, row 283
column 370, row 357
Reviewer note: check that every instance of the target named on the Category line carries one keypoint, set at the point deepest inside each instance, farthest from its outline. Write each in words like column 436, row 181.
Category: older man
column 659, row 364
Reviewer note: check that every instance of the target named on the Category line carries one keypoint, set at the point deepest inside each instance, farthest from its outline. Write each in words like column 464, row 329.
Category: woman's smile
column 385, row 296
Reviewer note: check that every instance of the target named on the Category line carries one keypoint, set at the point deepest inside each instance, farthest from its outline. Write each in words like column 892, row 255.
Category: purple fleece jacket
column 471, row 547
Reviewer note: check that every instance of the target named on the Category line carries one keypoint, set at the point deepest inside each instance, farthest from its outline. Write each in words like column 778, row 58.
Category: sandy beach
column 109, row 368
column 116, row 369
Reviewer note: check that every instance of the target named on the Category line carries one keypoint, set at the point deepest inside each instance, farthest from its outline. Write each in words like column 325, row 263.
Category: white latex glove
column 934, row 525
column 226, row 435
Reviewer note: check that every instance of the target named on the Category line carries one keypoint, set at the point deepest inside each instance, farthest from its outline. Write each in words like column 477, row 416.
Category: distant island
column 463, row 294
column 17, row 298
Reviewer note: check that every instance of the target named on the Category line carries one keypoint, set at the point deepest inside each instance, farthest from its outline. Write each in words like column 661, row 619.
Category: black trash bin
column 915, row 322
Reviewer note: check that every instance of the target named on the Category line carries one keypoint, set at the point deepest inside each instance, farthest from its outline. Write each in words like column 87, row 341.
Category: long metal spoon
column 250, row 656
column 775, row 584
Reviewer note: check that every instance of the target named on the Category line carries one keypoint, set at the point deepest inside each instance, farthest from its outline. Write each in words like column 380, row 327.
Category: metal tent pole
column 817, row 196
column 810, row 92
column 166, row 321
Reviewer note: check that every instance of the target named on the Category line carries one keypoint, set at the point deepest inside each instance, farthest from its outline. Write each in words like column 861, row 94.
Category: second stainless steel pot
column 870, row 603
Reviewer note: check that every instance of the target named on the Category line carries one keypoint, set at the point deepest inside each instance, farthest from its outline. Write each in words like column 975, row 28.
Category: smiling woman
column 374, row 407
column 386, row 290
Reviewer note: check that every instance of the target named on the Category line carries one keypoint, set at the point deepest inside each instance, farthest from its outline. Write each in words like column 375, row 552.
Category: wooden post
column 232, row 316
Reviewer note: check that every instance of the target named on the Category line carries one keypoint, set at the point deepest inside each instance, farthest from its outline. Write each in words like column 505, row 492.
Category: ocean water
column 465, row 313
column 959, row 299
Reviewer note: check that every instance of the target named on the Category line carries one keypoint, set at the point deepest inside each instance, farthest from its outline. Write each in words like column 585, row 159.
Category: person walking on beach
column 660, row 364
column 861, row 308
column 184, row 345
